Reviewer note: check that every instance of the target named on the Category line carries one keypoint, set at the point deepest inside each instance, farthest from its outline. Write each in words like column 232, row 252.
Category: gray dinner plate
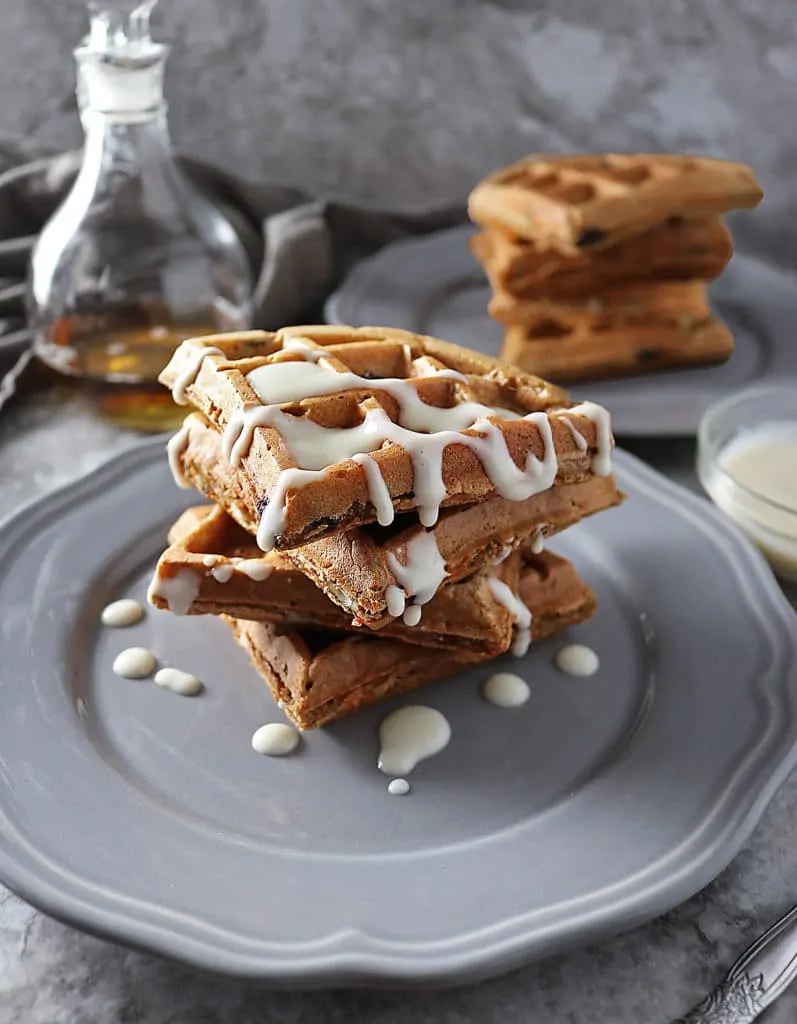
column 148, row 818
column 433, row 285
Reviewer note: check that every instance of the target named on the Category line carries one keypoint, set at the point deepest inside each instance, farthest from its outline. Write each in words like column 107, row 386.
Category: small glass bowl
column 770, row 523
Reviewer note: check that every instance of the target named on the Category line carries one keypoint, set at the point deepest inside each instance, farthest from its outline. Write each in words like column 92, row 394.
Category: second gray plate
column 433, row 285
column 147, row 817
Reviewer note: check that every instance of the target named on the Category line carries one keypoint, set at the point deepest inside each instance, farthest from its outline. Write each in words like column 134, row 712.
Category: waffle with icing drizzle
column 334, row 427
column 357, row 570
column 676, row 250
column 216, row 568
column 318, row 676
column 575, row 203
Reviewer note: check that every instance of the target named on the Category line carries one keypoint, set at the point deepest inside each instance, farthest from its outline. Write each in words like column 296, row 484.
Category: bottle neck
column 133, row 143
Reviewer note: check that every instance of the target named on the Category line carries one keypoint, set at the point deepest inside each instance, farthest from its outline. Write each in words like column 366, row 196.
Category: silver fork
column 759, row 976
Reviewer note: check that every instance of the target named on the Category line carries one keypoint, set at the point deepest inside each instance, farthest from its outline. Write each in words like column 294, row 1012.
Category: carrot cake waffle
column 318, row 675
column 376, row 573
column 334, row 427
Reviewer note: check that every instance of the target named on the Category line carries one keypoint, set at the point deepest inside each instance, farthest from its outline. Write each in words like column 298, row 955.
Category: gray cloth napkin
column 300, row 248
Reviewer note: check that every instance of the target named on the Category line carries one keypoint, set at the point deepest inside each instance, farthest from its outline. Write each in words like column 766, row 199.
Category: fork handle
column 758, row 977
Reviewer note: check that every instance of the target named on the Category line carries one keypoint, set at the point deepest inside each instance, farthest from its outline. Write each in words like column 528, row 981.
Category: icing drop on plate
column 134, row 663
column 577, row 660
column 275, row 739
column 180, row 682
column 178, row 591
column 122, row 613
column 520, row 613
column 506, row 690
column 410, row 735
column 398, row 787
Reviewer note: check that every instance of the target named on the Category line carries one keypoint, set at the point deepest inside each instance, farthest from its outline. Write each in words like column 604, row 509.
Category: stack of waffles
column 599, row 264
column 380, row 503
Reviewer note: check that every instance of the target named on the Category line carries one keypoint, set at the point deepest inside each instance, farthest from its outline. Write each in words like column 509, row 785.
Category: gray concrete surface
column 402, row 102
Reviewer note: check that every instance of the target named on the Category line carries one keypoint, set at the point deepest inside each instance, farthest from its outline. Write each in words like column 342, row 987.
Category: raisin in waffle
column 213, row 567
column 318, row 676
column 569, row 352
column 572, row 203
column 675, row 250
column 333, row 427
column 670, row 302
column 364, row 570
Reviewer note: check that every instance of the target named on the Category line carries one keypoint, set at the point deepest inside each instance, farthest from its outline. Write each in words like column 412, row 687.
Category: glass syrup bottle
column 135, row 259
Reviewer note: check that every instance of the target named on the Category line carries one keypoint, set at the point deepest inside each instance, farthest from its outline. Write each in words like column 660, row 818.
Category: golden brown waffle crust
column 621, row 351
column 204, row 541
column 675, row 250
column 572, row 203
column 353, row 569
column 315, row 689
column 340, row 497
column 684, row 303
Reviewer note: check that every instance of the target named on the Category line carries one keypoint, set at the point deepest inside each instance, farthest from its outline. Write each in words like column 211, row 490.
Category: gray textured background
column 409, row 101
column 413, row 99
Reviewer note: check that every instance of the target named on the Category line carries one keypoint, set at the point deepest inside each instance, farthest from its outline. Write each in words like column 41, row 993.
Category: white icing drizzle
column 398, row 787
column 315, row 448
column 196, row 354
column 119, row 614
column 522, row 616
column 273, row 516
column 134, row 663
column 378, row 492
column 182, row 683
column 502, row 555
column 577, row 660
column 420, row 576
column 506, row 690
column 423, row 430
column 395, row 599
column 178, row 591
column 257, row 569
column 578, row 437
column 538, row 544
column 305, row 349
column 409, row 735
column 222, row 573
column 424, row 367
column 174, row 449
column 281, row 382
column 412, row 615
column 209, row 560
column 275, row 739
column 602, row 459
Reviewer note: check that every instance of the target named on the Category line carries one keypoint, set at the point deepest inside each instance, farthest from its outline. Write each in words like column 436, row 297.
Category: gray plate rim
column 353, row 956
